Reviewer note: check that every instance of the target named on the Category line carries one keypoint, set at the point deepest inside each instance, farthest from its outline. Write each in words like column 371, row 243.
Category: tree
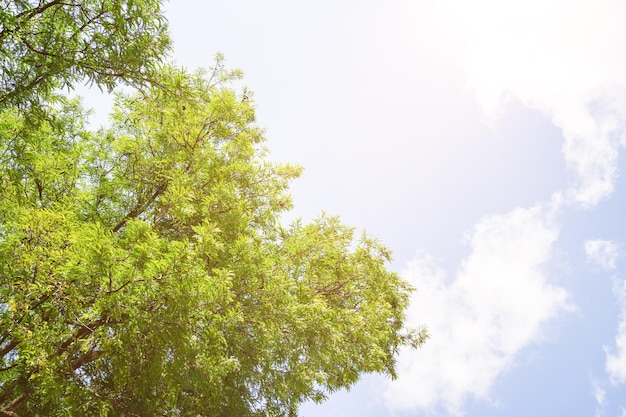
column 54, row 44
column 144, row 269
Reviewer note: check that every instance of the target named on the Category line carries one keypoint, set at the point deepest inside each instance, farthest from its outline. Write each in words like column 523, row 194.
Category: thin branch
column 124, row 285
column 16, row 403
column 28, row 14
column 140, row 208
column 91, row 356
column 6, row 368
column 82, row 331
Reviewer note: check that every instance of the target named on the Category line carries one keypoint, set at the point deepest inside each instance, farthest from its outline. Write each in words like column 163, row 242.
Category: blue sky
column 482, row 141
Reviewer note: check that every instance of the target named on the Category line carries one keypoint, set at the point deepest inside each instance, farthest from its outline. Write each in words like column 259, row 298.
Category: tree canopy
column 52, row 44
column 144, row 269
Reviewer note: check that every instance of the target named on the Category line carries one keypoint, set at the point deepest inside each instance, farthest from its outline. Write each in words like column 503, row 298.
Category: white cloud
column 563, row 57
column 599, row 394
column 480, row 319
column 616, row 356
column 602, row 253
column 567, row 59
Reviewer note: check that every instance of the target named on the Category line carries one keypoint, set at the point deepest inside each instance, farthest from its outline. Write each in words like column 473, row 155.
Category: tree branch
column 91, row 356
column 9, row 347
column 8, row 410
column 140, row 208
column 82, row 331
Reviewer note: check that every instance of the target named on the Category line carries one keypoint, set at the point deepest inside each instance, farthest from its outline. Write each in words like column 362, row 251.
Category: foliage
column 54, row 43
column 144, row 269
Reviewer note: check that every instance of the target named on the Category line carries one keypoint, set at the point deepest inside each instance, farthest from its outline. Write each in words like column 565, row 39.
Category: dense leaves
column 51, row 44
column 144, row 269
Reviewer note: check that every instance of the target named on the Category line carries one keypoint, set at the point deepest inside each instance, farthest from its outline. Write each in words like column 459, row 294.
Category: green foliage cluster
column 144, row 269
column 52, row 44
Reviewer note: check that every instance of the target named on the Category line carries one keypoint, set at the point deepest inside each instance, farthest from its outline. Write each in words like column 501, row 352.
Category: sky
column 483, row 143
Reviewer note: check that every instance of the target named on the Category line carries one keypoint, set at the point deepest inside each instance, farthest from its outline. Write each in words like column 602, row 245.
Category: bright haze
column 481, row 141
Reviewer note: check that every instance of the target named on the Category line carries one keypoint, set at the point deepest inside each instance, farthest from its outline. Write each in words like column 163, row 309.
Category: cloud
column 566, row 59
column 563, row 57
column 616, row 357
column 602, row 253
column 600, row 396
column 479, row 319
